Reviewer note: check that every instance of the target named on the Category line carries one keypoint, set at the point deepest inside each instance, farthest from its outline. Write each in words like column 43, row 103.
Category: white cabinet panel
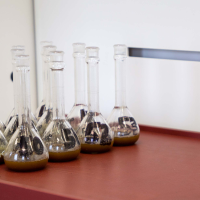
column 164, row 93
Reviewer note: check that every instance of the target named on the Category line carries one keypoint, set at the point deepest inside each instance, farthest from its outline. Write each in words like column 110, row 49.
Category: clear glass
column 18, row 47
column 126, row 130
column 25, row 150
column 2, row 127
column 12, row 121
column 94, row 132
column 41, row 108
column 59, row 137
column 3, row 145
column 45, row 114
column 16, row 50
column 79, row 109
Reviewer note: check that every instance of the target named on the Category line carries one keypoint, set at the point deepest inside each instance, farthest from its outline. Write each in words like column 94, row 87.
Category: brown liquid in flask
column 125, row 128
column 59, row 137
column 94, row 132
column 26, row 166
column 63, row 156
column 25, row 151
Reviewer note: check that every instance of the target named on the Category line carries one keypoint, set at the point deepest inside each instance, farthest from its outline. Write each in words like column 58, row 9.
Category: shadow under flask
column 79, row 109
column 59, row 137
column 46, row 115
column 13, row 121
column 42, row 105
column 94, row 132
column 25, row 150
column 121, row 121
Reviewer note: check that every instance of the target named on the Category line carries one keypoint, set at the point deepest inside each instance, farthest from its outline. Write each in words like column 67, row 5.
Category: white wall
column 160, row 92
column 16, row 22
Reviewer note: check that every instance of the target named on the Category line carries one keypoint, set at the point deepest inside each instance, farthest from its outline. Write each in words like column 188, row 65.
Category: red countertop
column 159, row 166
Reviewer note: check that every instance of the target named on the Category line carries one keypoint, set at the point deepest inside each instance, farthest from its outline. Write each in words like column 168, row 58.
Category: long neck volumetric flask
column 41, row 108
column 126, row 130
column 12, row 121
column 16, row 50
column 25, row 150
column 13, row 118
column 59, row 137
column 46, row 113
column 79, row 109
column 94, row 133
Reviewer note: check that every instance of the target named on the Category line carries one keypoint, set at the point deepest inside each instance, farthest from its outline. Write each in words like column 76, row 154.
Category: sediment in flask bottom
column 63, row 156
column 125, row 140
column 95, row 148
column 26, row 165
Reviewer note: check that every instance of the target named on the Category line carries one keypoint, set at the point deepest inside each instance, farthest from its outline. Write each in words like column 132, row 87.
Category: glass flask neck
column 120, row 55
column 58, row 93
column 120, row 80
column 79, row 77
column 44, row 68
column 46, row 74
column 17, row 50
column 92, row 61
column 23, row 83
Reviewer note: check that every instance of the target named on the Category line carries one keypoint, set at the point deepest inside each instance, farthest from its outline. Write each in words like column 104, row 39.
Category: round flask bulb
column 61, row 141
column 95, row 134
column 125, row 128
column 26, row 151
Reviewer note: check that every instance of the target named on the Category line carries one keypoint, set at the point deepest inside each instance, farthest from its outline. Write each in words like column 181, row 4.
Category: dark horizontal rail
column 164, row 54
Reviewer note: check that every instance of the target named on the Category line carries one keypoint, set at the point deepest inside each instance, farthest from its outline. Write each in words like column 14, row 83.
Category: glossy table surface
column 159, row 166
